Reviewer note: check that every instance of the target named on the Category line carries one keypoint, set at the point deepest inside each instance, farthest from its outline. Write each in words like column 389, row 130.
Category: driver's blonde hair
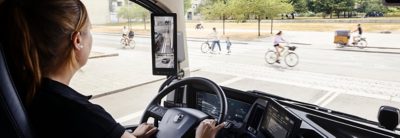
column 37, row 37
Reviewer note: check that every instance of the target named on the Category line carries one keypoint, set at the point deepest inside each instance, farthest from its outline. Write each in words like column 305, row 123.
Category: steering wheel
column 179, row 121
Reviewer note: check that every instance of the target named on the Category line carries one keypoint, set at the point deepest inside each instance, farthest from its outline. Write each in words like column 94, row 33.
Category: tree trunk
column 223, row 24
column 272, row 22
column 259, row 21
column 144, row 22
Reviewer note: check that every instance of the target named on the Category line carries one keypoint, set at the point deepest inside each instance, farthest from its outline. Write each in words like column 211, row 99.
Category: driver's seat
column 13, row 118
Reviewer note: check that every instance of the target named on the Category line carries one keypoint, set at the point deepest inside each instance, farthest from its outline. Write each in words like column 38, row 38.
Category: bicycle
column 291, row 59
column 128, row 42
column 361, row 42
column 205, row 47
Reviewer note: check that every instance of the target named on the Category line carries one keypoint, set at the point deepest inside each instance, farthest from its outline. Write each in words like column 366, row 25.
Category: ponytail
column 21, row 41
column 40, row 31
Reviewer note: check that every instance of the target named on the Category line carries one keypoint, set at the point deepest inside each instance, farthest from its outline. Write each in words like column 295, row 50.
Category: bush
column 392, row 14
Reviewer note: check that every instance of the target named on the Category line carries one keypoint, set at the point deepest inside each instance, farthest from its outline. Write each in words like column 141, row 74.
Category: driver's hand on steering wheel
column 207, row 129
column 145, row 130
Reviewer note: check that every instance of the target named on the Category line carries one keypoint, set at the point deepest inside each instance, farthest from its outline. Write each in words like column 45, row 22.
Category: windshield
column 344, row 58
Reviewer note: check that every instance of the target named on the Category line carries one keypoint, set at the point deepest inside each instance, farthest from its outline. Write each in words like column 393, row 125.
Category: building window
column 119, row 3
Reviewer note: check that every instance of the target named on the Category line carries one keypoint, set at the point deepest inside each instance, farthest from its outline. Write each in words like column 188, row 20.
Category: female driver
column 47, row 42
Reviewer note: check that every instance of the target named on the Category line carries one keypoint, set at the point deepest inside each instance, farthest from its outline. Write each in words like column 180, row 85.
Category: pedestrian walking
column 228, row 45
column 215, row 39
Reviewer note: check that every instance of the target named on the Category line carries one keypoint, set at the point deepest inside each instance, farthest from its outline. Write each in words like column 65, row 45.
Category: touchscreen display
column 164, row 40
column 278, row 122
column 209, row 103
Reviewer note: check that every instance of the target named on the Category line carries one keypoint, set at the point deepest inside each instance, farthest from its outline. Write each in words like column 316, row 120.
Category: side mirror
column 388, row 117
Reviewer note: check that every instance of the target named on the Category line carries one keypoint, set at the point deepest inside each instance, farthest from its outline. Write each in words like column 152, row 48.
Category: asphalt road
column 352, row 80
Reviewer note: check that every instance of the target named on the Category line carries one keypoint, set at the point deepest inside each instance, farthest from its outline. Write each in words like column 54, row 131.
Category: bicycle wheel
column 133, row 44
column 124, row 43
column 362, row 44
column 205, row 47
column 270, row 57
column 291, row 59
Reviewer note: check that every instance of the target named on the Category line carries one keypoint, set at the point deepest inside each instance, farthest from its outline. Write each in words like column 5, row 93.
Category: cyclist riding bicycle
column 124, row 31
column 125, row 38
column 357, row 36
column 277, row 45
column 131, row 34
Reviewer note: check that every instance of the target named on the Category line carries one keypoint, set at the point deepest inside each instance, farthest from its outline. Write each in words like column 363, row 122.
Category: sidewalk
column 111, row 70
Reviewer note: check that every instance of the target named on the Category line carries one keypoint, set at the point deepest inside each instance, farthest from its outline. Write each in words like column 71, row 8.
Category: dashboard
column 209, row 103
column 279, row 122
column 255, row 114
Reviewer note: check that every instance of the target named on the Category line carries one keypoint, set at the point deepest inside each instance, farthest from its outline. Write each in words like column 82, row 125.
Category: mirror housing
column 388, row 117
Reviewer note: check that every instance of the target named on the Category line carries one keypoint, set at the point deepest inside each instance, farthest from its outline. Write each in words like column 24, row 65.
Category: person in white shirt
column 125, row 31
column 277, row 44
column 215, row 39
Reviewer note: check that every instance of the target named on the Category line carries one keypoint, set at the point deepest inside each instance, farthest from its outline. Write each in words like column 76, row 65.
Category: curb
column 104, row 55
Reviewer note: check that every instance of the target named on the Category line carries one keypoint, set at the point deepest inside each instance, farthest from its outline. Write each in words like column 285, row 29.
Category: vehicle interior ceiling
column 250, row 113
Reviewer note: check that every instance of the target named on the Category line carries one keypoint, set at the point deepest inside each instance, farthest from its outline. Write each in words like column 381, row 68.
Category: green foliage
column 328, row 7
column 133, row 11
column 125, row 12
column 187, row 5
column 300, row 6
column 214, row 10
column 371, row 5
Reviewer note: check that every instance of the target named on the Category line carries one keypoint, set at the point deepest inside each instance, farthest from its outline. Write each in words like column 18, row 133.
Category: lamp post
column 223, row 20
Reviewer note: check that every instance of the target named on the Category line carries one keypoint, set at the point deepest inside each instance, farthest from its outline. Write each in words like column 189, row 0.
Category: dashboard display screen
column 210, row 104
column 278, row 122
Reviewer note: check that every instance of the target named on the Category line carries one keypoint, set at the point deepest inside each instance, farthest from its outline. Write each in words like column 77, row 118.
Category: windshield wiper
column 316, row 107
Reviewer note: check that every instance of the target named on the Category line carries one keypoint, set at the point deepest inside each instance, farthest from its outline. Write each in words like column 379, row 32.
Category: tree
column 126, row 12
column 328, row 7
column 299, row 6
column 134, row 11
column 259, row 8
column 371, row 6
column 216, row 10
column 324, row 6
column 186, row 5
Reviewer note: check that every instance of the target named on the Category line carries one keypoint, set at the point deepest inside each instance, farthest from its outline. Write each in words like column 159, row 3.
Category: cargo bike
column 342, row 37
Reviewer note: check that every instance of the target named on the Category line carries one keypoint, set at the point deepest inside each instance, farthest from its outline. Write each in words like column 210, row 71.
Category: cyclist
column 358, row 35
column 124, row 31
column 277, row 44
column 125, row 35
column 131, row 35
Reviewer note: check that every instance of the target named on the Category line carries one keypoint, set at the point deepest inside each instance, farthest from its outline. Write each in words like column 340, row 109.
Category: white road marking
column 130, row 116
column 231, row 81
column 320, row 100
column 330, row 99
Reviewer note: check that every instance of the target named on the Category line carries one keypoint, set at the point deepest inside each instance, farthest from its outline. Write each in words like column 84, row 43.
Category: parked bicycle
column 290, row 57
column 127, row 42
